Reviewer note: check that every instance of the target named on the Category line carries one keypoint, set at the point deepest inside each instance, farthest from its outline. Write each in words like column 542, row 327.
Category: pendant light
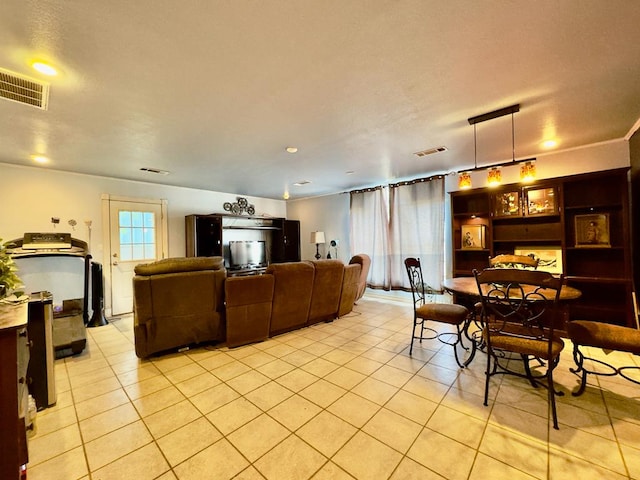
column 494, row 177
column 528, row 172
column 494, row 174
column 464, row 180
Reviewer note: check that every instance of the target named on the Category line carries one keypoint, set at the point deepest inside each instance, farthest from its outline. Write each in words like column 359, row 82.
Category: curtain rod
column 391, row 185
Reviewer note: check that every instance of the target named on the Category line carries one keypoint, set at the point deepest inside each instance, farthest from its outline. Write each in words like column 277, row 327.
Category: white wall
column 31, row 196
column 331, row 213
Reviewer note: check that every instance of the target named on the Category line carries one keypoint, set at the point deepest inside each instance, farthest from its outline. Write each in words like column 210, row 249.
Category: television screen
column 247, row 254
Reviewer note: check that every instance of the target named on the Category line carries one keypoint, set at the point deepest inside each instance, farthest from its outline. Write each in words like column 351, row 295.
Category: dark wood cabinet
column 205, row 235
column 585, row 218
column 14, row 357
column 286, row 242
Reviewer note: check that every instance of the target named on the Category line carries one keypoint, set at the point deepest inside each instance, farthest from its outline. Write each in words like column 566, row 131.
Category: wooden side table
column 14, row 358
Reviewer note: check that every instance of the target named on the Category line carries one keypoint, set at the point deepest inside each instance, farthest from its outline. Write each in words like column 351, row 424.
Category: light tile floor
column 339, row 400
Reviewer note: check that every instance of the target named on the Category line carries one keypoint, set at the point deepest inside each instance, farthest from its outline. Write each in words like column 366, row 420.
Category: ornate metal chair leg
column 527, row 369
column 578, row 358
column 413, row 336
column 552, row 398
column 486, row 381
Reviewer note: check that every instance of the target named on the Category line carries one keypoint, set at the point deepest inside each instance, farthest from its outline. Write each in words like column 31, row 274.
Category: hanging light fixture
column 528, row 171
column 464, row 180
column 494, row 177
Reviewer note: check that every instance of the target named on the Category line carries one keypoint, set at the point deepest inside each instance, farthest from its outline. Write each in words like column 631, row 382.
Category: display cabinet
column 207, row 235
column 578, row 225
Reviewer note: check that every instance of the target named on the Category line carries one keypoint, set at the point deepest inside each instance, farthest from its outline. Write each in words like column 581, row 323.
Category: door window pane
column 137, row 235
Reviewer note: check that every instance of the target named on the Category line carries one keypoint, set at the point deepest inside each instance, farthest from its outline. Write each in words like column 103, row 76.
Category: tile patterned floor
column 340, row 400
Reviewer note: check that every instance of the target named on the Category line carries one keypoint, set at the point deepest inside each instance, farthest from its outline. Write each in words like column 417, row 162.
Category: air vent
column 430, row 151
column 155, row 170
column 21, row 89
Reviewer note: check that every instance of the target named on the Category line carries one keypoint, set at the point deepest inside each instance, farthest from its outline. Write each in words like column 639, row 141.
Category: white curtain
column 370, row 233
column 391, row 224
column 416, row 229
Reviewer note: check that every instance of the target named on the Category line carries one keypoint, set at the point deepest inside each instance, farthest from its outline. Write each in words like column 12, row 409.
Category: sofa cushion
column 327, row 285
column 179, row 264
column 293, row 283
column 248, row 308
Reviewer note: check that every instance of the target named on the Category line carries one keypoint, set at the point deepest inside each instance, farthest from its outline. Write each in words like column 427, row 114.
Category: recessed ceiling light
column 301, row 182
column 285, row 195
column 350, row 172
column 39, row 159
column 44, row 68
column 550, row 143
column 292, row 149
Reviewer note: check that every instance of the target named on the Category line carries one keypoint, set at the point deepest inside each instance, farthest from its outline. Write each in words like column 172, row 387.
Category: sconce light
column 317, row 238
column 464, row 180
column 494, row 177
column 527, row 172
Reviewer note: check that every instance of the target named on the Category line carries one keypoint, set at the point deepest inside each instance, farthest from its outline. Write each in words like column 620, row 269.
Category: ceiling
column 213, row 92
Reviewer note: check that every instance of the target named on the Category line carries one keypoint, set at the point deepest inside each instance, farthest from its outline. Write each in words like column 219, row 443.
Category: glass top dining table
column 468, row 286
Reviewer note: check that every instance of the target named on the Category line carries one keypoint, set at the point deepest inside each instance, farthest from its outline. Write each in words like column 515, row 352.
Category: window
column 137, row 235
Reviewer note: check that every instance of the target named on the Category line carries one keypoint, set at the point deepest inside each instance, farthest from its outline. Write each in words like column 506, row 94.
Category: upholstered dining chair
column 600, row 335
column 447, row 313
column 518, row 315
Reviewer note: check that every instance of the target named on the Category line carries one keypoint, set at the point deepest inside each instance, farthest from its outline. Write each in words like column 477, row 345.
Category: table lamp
column 317, row 238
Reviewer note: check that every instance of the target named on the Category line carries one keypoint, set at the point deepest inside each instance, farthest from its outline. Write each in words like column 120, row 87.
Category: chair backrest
column 418, row 288
column 513, row 261
column 527, row 298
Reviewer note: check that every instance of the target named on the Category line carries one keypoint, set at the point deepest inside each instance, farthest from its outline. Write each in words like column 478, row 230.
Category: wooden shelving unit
column 205, row 234
column 585, row 217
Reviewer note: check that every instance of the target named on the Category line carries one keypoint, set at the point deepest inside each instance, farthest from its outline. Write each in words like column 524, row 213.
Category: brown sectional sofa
column 182, row 301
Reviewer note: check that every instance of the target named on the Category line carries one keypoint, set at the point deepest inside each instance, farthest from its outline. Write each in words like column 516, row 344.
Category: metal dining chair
column 447, row 313
column 519, row 309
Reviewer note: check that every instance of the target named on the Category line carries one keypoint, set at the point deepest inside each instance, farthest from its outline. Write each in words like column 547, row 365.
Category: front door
column 137, row 235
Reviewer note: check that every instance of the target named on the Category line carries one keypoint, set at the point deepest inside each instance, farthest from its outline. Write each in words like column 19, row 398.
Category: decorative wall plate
column 239, row 207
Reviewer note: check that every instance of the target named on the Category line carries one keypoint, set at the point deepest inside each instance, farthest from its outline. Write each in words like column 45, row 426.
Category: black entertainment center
column 247, row 243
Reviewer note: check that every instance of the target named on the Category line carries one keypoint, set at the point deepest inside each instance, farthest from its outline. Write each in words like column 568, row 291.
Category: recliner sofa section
column 304, row 293
column 177, row 302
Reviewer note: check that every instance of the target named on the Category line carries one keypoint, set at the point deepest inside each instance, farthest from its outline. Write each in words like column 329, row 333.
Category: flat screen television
column 247, row 254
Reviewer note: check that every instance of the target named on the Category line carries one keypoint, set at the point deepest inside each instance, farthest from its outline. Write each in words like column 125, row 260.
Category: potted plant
column 10, row 283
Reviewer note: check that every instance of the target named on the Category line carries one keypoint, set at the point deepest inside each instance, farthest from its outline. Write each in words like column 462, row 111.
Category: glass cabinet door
column 507, row 204
column 541, row 201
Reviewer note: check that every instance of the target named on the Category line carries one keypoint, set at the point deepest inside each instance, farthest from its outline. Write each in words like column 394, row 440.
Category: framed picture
column 549, row 258
column 592, row 231
column 507, row 204
column 473, row 237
